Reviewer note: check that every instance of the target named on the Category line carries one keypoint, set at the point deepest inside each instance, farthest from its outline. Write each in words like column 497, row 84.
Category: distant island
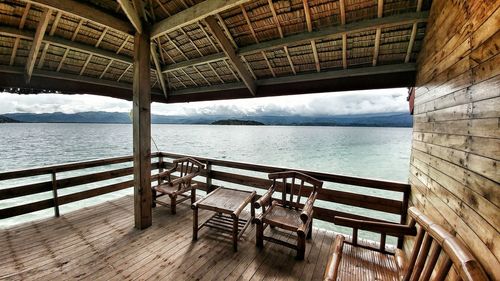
column 389, row 119
column 237, row 122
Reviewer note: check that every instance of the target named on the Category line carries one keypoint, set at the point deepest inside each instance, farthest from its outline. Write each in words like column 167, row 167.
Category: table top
column 225, row 200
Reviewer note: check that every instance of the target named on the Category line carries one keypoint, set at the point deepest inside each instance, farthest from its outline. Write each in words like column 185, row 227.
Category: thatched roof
column 286, row 46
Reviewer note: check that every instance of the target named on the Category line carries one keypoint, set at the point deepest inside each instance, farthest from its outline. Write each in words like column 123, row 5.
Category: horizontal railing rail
column 55, row 184
column 216, row 169
column 369, row 202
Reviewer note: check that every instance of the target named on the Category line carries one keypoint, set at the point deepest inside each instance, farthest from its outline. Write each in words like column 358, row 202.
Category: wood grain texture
column 100, row 243
column 455, row 157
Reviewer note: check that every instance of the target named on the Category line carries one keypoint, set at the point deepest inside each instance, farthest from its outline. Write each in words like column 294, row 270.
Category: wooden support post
column 142, row 129
column 54, row 194
column 209, row 177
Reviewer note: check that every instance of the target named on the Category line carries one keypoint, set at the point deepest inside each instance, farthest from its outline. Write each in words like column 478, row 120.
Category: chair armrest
column 332, row 267
column 308, row 208
column 374, row 226
column 264, row 200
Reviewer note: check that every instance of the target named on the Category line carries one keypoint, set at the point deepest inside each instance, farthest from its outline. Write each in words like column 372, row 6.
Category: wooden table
column 228, row 205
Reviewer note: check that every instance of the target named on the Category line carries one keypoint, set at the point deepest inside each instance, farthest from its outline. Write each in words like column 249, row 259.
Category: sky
column 338, row 103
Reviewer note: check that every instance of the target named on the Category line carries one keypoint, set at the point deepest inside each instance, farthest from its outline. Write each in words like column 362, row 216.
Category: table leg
column 252, row 210
column 235, row 233
column 195, row 223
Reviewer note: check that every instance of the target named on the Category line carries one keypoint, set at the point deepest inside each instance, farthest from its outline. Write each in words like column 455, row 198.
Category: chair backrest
column 435, row 251
column 292, row 183
column 188, row 167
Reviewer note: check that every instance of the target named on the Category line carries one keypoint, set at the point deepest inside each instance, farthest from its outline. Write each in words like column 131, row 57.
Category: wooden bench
column 434, row 252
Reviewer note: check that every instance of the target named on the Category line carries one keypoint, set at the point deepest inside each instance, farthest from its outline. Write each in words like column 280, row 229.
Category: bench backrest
column 436, row 250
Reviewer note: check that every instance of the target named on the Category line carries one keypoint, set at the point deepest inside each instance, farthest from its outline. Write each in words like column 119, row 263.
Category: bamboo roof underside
column 280, row 47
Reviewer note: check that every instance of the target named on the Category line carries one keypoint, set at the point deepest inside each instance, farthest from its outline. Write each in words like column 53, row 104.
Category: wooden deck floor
column 100, row 243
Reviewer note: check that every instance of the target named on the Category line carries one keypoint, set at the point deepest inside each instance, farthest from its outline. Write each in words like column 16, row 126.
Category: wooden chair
column 434, row 252
column 178, row 186
column 286, row 213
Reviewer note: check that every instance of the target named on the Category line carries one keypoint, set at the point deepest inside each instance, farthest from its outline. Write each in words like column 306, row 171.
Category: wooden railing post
column 404, row 213
column 209, row 177
column 54, row 194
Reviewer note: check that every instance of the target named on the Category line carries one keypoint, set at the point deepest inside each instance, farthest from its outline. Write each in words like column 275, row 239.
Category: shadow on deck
column 100, row 243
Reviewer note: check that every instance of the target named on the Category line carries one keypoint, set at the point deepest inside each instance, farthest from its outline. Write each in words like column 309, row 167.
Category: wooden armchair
column 178, row 186
column 286, row 213
column 434, row 252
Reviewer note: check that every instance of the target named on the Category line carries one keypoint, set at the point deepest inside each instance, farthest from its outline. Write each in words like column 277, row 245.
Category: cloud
column 339, row 103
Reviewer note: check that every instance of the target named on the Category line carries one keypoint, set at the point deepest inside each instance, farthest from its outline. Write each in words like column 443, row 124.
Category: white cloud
column 355, row 102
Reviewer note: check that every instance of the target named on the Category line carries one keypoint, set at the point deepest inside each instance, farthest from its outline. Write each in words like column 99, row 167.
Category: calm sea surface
column 381, row 153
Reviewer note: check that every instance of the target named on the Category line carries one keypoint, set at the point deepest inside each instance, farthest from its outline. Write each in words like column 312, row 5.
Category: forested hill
column 396, row 119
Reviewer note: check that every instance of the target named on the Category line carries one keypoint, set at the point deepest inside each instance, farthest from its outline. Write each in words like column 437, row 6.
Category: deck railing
column 223, row 171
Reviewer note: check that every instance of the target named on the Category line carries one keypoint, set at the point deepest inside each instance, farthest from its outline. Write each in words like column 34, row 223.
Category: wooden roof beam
column 21, row 26
column 307, row 13
column 413, row 35
column 224, row 42
column 378, row 33
column 330, row 32
column 131, row 14
column 193, row 14
column 159, row 73
column 86, row 11
column 36, row 44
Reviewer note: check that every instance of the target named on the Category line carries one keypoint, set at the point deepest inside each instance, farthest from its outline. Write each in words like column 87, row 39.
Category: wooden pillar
column 142, row 130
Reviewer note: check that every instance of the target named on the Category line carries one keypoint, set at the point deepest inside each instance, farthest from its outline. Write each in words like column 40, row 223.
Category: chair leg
column 309, row 232
column 173, row 204
column 301, row 247
column 193, row 195
column 259, row 234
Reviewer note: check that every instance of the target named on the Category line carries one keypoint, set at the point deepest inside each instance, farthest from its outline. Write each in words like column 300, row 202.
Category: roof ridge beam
column 231, row 54
column 193, row 14
column 81, row 10
column 334, row 31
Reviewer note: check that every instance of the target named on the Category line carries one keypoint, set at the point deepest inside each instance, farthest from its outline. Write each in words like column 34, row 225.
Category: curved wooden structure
column 288, row 213
column 434, row 252
column 188, row 169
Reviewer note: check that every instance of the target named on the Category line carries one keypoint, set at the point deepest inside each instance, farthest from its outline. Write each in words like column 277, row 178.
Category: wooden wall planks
column 455, row 160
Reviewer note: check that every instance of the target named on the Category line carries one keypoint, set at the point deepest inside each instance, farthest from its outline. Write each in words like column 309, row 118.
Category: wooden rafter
column 280, row 31
column 124, row 72
column 191, row 41
column 106, row 69
column 248, row 67
column 249, row 23
column 307, row 13
column 101, row 37
column 208, row 36
column 14, row 51
column 216, row 74
column 17, row 41
column 330, row 32
column 156, row 61
column 176, row 47
column 230, row 69
column 413, row 35
column 122, row 45
column 64, row 43
column 189, row 77
column 62, row 60
column 201, row 75
column 88, row 12
column 75, row 33
column 226, row 30
column 131, row 14
column 378, row 33
column 87, row 61
column 217, row 32
column 268, row 64
column 344, row 35
column 37, row 41
column 193, row 14
column 167, row 13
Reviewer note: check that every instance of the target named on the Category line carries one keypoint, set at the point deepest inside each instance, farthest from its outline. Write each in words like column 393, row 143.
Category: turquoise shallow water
column 381, row 153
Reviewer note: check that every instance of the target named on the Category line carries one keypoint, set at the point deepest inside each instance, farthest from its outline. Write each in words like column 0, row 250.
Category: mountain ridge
column 394, row 119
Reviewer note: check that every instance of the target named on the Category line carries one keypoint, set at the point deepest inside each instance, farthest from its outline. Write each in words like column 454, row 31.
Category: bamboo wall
column 456, row 136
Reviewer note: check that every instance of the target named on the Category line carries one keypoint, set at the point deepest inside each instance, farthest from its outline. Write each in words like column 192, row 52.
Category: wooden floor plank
column 100, row 243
